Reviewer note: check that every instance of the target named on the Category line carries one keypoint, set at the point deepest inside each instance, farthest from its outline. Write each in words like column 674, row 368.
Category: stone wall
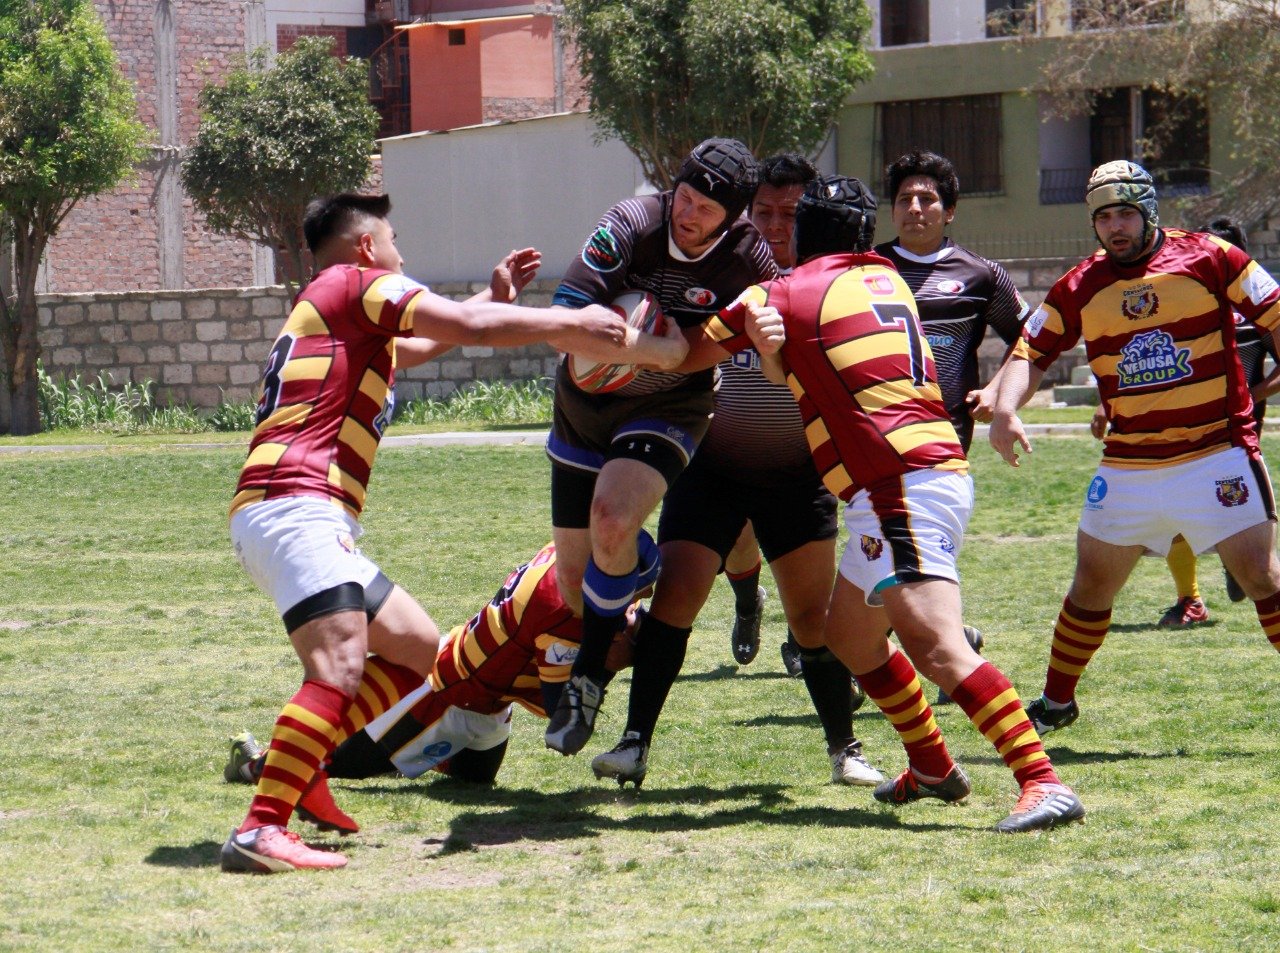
column 205, row 347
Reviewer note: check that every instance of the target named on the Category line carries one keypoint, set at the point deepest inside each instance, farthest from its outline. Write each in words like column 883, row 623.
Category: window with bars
column 965, row 129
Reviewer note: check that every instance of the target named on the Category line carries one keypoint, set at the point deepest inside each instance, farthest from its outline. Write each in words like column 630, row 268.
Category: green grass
column 132, row 645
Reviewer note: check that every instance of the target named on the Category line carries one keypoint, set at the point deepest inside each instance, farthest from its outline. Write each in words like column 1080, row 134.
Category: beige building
column 947, row 80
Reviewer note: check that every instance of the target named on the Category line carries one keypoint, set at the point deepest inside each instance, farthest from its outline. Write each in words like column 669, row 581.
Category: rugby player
column 958, row 294
column 326, row 397
column 515, row 650
column 1155, row 308
column 842, row 330
column 752, row 468
column 614, row 455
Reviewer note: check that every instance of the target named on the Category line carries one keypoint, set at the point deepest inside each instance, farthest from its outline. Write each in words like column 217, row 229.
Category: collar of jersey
column 674, row 250
column 941, row 253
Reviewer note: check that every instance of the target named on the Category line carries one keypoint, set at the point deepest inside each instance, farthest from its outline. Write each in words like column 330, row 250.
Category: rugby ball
column 641, row 311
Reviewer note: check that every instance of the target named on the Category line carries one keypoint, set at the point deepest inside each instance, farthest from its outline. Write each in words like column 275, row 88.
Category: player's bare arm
column 663, row 352
column 509, row 277
column 410, row 352
column 1019, row 380
column 508, row 325
column 982, row 401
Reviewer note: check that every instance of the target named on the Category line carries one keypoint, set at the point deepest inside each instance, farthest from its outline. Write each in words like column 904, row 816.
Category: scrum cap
column 725, row 171
column 834, row 215
column 1124, row 183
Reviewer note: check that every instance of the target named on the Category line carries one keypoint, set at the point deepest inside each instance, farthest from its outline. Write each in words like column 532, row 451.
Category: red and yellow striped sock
column 1269, row 616
column 896, row 689
column 304, row 735
column 1078, row 634
column 995, row 710
column 383, row 684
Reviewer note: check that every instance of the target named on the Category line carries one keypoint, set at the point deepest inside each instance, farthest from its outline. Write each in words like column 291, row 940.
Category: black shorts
column 709, row 506
column 661, row 430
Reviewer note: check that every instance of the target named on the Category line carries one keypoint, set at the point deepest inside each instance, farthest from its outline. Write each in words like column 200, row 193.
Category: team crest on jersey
column 879, row 284
column 872, row 548
column 1140, row 303
column 702, row 297
column 1233, row 491
column 601, row 251
column 1152, row 358
column 949, row 286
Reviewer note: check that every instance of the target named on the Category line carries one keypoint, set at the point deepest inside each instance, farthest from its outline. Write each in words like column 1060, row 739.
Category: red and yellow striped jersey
column 525, row 635
column 1160, row 341
column 326, row 388
column 859, row 367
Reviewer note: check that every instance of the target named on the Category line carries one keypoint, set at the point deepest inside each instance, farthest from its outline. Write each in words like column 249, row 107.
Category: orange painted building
column 468, row 71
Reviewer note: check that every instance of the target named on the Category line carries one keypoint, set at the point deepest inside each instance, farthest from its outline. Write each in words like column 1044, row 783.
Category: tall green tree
column 67, row 130
column 666, row 74
column 1223, row 53
column 272, row 139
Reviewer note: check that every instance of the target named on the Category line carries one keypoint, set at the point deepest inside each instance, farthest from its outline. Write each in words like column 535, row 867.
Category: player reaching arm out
column 1019, row 379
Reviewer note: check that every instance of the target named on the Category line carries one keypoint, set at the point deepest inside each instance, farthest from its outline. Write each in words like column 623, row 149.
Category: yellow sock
column 1182, row 566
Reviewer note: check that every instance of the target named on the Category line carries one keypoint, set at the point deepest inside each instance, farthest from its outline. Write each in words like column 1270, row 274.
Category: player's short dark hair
column 787, row 168
column 333, row 214
column 1228, row 231
column 939, row 168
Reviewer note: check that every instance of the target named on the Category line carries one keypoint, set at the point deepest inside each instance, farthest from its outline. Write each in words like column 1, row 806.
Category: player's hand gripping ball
column 642, row 312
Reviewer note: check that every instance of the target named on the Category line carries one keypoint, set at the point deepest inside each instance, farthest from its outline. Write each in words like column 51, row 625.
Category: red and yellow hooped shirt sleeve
column 728, row 329
column 388, row 301
column 1252, row 290
column 1047, row 333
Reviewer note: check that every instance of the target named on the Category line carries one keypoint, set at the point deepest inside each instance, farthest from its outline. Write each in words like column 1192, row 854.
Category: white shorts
column 456, row 729
column 297, row 546
column 1206, row 500
column 912, row 534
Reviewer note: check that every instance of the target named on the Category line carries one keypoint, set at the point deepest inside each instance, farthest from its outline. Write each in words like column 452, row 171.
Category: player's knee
column 807, row 625
column 613, row 529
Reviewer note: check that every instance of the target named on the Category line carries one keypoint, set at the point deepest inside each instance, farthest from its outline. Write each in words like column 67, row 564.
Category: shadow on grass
column 539, row 816
column 200, row 854
column 722, row 672
column 1062, row 756
column 1163, row 630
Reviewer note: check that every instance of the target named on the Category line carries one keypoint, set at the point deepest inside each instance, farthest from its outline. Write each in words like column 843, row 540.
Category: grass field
column 132, row 646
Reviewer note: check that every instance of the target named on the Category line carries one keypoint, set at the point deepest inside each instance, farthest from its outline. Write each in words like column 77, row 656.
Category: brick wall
column 168, row 66
column 287, row 34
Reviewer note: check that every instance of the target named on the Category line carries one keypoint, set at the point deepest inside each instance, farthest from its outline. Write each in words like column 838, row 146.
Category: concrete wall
column 463, row 198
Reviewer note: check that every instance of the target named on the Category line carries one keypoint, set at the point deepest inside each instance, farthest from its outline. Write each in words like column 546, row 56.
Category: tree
column 67, row 130
column 1224, row 53
column 666, row 74
column 270, row 140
